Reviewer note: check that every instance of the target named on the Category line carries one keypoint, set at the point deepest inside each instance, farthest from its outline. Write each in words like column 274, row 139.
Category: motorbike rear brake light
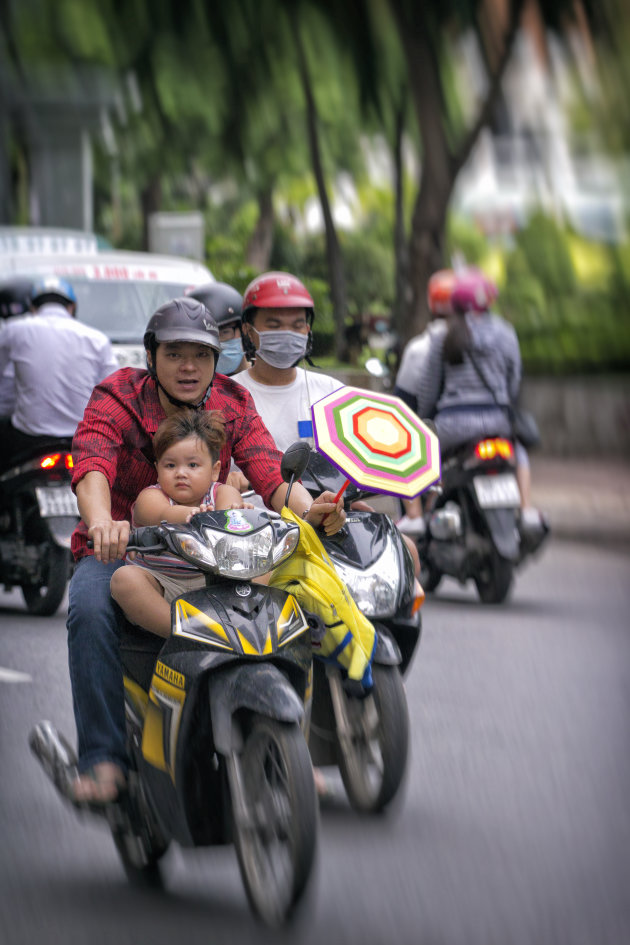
column 68, row 461
column 50, row 461
column 490, row 449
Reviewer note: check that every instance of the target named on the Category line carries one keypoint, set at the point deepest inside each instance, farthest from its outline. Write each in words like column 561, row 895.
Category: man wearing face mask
column 225, row 303
column 278, row 314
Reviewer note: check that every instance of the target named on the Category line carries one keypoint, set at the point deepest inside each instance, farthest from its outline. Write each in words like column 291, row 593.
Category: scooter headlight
column 375, row 590
column 236, row 555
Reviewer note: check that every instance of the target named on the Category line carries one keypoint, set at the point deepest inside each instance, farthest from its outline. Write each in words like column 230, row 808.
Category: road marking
column 13, row 675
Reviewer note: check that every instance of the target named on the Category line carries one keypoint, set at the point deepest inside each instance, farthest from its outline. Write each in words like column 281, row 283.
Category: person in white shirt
column 57, row 362
column 278, row 314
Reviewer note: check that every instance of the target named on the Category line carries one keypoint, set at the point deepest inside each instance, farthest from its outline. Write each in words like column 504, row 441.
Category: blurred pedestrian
column 57, row 363
column 411, row 370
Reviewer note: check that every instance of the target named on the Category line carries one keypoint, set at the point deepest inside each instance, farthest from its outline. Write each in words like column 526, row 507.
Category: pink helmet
column 473, row 291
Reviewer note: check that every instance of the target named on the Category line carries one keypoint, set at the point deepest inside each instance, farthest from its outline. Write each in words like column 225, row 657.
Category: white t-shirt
column 285, row 409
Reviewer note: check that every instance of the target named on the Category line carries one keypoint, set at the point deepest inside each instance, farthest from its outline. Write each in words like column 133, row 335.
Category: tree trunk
column 440, row 166
column 401, row 250
column 258, row 254
column 150, row 202
column 336, row 272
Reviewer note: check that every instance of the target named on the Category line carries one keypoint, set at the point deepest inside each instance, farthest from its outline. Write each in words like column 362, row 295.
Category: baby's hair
column 207, row 425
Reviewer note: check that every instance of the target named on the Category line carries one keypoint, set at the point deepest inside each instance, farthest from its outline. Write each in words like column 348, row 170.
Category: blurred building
column 47, row 117
column 531, row 156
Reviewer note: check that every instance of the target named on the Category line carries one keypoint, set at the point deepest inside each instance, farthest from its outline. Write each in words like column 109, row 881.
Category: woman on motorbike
column 472, row 374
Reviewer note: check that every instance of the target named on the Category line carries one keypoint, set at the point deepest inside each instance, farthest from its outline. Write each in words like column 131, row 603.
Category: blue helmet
column 53, row 289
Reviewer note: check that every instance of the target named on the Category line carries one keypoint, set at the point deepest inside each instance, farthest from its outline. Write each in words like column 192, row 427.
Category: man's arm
column 95, row 507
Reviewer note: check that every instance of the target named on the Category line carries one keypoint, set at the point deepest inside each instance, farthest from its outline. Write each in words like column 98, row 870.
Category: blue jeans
column 96, row 677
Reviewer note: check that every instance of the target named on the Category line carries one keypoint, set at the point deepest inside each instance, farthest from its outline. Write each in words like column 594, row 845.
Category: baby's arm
column 153, row 507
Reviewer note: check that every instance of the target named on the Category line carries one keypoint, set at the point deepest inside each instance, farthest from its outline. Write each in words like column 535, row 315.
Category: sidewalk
column 585, row 499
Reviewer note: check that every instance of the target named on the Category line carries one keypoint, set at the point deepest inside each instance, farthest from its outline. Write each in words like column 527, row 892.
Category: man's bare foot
column 100, row 784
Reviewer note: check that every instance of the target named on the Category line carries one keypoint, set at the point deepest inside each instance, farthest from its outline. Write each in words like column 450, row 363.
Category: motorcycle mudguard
column 387, row 652
column 61, row 528
column 259, row 687
column 503, row 532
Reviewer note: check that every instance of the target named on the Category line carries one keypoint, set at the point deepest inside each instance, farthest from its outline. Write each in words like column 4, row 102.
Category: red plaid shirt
column 115, row 438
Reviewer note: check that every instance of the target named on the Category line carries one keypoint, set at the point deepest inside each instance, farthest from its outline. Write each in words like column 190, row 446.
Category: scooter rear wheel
column 276, row 848
column 495, row 583
column 43, row 599
column 373, row 763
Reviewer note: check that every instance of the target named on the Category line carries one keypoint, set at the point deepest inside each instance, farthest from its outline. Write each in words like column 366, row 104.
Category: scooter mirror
column 295, row 460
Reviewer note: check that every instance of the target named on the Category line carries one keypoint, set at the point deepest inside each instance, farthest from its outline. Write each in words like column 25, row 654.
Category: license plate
column 56, row 501
column 496, row 492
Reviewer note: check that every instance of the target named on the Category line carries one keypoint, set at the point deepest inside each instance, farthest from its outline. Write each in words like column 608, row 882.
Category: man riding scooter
column 57, row 362
column 113, row 463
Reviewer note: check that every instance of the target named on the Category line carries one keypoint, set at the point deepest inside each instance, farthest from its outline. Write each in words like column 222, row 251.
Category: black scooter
column 474, row 526
column 367, row 737
column 38, row 513
column 215, row 715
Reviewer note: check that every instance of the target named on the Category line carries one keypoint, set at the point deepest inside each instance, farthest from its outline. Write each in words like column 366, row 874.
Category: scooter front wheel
column 373, row 757
column 276, row 844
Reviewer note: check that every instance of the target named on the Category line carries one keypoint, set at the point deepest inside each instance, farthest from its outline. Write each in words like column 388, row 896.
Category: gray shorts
column 176, row 586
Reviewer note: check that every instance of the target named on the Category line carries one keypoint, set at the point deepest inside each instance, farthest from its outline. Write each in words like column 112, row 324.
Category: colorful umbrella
column 376, row 441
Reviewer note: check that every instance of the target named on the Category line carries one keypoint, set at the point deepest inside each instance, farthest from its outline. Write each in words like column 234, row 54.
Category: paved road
column 515, row 827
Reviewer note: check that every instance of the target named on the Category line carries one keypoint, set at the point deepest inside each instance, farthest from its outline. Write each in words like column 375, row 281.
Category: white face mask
column 281, row 349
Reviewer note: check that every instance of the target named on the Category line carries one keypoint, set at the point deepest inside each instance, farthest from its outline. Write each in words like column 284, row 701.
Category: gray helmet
column 221, row 300
column 182, row 319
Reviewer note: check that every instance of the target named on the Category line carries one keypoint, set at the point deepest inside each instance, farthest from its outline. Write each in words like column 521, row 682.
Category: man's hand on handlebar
column 109, row 539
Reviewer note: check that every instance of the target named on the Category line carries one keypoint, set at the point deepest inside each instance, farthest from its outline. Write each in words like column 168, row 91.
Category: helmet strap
column 186, row 403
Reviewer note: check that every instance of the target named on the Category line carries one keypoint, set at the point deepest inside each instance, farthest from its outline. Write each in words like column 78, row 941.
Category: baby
column 187, row 448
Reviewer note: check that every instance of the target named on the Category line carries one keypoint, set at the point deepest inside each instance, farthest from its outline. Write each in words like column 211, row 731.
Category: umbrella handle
column 337, row 497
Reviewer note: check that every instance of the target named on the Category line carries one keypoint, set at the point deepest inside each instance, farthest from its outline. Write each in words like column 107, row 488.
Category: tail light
column 493, row 448
column 55, row 459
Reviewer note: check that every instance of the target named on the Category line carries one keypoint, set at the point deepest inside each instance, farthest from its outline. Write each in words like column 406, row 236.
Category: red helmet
column 277, row 290
column 473, row 291
column 439, row 290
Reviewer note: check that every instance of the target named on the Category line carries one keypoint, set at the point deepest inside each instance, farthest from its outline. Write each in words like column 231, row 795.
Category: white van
column 116, row 291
